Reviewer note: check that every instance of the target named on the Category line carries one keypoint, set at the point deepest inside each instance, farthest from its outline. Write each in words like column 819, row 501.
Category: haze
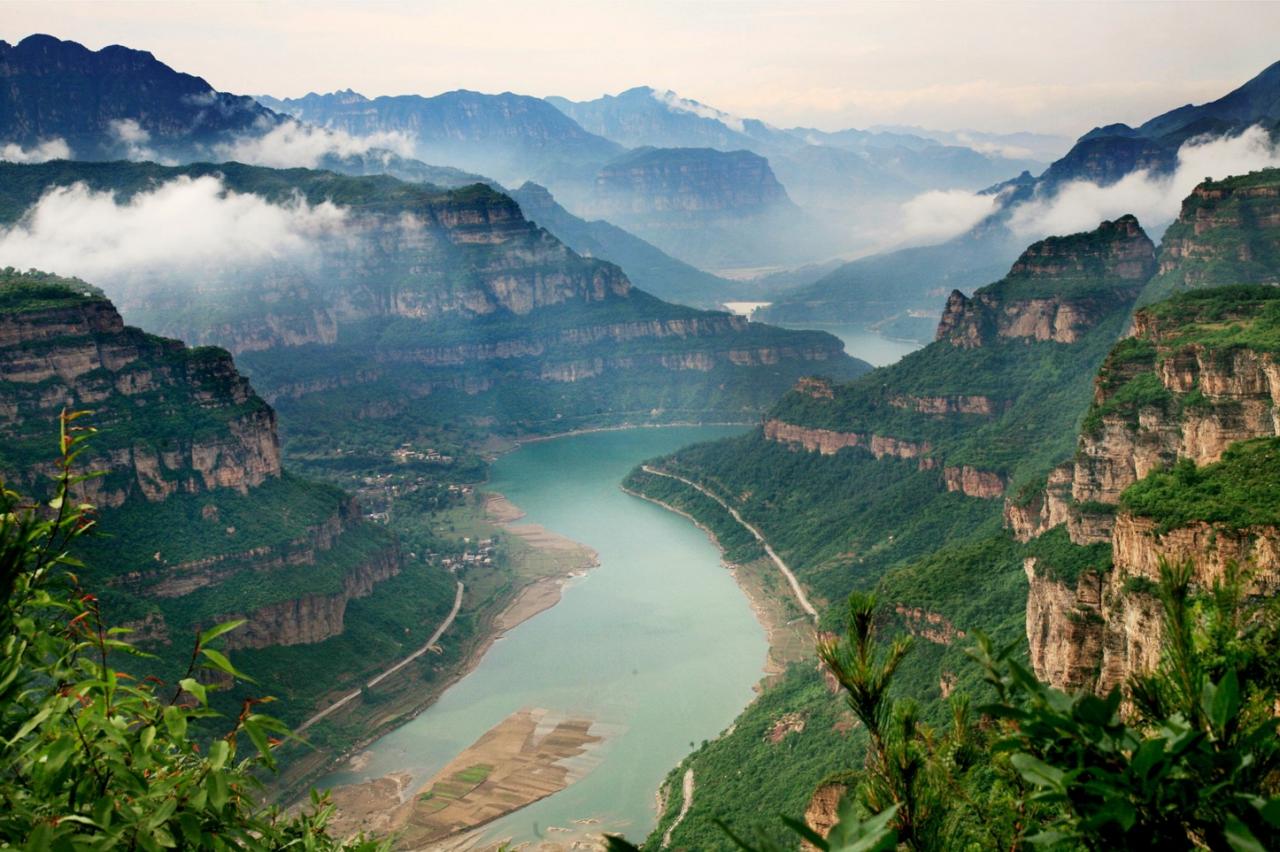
column 1049, row 67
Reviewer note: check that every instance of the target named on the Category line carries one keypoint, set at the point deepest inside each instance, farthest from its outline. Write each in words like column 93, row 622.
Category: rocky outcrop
column 823, row 811
column 1160, row 398
column 1058, row 290
column 983, row 484
column 1139, row 545
column 180, row 428
column 828, row 442
column 1064, row 628
column 815, row 388
column 954, row 404
column 310, row 618
column 1042, row 510
column 1226, row 233
column 929, row 626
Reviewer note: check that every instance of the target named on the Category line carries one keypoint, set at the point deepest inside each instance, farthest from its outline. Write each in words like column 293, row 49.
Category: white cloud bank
column 50, row 149
column 938, row 215
column 1154, row 199
column 183, row 226
column 293, row 144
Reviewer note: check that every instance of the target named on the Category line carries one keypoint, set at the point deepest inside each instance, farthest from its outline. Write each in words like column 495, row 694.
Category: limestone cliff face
column 459, row 255
column 952, row 404
column 76, row 352
column 313, row 617
column 1064, row 628
column 1044, row 510
column 972, row 482
column 929, row 626
column 1057, row 290
column 1198, row 400
column 829, row 443
column 823, row 811
column 1189, row 385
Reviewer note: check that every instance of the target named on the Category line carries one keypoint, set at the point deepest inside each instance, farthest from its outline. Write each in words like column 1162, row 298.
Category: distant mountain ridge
column 102, row 102
column 510, row 137
column 916, row 279
column 833, row 174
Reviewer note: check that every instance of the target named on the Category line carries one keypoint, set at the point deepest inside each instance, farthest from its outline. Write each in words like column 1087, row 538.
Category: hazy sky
column 1051, row 67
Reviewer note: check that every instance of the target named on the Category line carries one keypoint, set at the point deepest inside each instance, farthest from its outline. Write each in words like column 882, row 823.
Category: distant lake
column 876, row 350
column 658, row 643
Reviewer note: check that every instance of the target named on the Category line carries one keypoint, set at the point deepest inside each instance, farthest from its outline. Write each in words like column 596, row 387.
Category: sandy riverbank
column 526, row 757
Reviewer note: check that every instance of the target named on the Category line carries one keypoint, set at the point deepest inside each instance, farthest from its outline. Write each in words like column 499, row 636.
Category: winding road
column 801, row 597
column 351, row 696
column 685, row 803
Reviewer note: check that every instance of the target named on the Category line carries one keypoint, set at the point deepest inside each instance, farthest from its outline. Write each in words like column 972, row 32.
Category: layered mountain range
column 422, row 290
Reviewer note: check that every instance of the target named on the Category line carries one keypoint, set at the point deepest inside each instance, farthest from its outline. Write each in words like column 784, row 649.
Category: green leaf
column 1037, row 772
column 196, row 688
column 1226, row 701
column 219, row 661
column 1240, row 837
column 176, row 721
column 218, row 629
column 219, row 751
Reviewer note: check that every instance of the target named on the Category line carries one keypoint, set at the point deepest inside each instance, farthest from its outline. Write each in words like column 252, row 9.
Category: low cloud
column 938, row 215
column 133, row 137
column 292, row 144
column 673, row 101
column 50, row 149
column 1154, row 199
column 181, row 227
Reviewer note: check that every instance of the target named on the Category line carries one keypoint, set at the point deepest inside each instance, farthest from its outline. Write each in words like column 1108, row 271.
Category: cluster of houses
column 407, row 453
column 476, row 553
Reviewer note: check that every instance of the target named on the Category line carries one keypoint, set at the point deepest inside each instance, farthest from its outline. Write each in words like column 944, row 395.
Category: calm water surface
column 870, row 347
column 658, row 644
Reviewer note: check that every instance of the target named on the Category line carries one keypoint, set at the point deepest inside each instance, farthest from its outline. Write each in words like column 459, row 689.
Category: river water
column 658, row 644
column 875, row 349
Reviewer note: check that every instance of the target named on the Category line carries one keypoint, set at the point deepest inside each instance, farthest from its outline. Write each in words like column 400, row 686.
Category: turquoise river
column 657, row 643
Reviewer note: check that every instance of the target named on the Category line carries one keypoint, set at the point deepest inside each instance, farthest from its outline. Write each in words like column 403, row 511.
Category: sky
column 1058, row 68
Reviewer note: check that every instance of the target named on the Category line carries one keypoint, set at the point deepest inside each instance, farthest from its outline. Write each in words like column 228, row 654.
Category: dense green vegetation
column 1060, row 559
column 1030, row 386
column 92, row 757
column 854, row 517
column 1236, row 492
column 21, row 292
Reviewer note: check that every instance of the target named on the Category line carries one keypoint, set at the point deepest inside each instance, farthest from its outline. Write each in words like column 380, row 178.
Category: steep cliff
column 173, row 419
column 1176, row 461
column 207, row 525
column 1057, row 290
column 687, row 180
